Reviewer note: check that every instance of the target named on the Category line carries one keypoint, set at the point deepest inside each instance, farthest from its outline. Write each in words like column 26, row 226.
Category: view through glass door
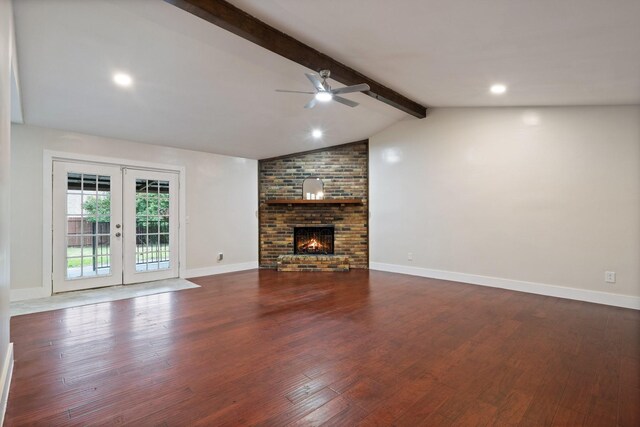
column 112, row 226
column 151, row 213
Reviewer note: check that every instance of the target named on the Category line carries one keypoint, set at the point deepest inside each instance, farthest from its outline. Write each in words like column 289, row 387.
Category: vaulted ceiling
column 199, row 87
column 447, row 52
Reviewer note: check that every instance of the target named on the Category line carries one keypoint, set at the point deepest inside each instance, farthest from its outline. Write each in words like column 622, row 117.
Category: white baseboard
column 626, row 301
column 5, row 381
column 219, row 269
column 28, row 293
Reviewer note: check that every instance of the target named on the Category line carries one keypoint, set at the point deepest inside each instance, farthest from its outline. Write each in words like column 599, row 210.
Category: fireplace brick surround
column 344, row 171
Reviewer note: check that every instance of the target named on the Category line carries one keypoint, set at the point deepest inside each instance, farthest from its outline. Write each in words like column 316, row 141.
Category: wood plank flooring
column 306, row 349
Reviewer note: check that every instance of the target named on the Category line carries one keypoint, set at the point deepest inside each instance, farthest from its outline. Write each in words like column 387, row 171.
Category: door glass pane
column 88, row 225
column 152, row 225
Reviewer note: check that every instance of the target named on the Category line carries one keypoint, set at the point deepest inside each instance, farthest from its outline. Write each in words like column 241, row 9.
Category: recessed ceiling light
column 316, row 133
column 122, row 79
column 324, row 96
column 498, row 89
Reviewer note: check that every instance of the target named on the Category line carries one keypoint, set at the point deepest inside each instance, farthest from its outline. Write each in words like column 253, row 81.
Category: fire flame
column 312, row 244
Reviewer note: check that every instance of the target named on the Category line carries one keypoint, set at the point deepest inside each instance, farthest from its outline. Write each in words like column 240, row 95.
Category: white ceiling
column 196, row 86
column 200, row 87
column 448, row 52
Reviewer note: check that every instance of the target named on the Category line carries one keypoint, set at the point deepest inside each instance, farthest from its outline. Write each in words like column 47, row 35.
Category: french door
column 112, row 225
column 150, row 208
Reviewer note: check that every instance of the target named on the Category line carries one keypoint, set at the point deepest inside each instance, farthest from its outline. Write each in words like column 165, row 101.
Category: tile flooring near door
column 95, row 296
column 360, row 348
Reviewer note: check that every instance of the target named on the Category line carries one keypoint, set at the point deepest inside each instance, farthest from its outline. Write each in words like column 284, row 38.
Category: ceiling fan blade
column 317, row 83
column 294, row 91
column 349, row 89
column 311, row 103
column 344, row 101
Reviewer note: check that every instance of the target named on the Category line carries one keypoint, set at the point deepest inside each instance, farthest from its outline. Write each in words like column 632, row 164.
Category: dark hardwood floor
column 358, row 348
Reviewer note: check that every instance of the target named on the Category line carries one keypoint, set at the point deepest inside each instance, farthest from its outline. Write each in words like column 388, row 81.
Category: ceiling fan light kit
column 324, row 96
column 324, row 93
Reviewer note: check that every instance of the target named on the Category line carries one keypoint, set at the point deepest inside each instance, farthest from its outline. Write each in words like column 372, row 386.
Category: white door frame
column 48, row 156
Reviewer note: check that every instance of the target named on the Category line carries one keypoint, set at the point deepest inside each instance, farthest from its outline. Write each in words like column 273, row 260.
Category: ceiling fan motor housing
column 324, row 75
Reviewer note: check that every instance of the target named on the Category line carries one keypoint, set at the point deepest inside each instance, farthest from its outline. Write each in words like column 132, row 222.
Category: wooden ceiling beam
column 235, row 20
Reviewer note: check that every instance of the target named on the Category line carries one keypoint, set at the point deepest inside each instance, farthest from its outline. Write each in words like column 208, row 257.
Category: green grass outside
column 88, row 257
column 74, row 253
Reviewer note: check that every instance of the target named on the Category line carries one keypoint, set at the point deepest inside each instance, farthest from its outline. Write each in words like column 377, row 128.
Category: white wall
column 6, row 53
column 548, row 196
column 221, row 196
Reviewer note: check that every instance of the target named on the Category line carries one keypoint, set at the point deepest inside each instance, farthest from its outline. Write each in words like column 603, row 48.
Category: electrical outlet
column 410, row 256
column 220, row 256
column 610, row 276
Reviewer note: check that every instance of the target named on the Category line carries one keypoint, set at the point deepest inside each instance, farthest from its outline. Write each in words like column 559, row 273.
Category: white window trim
column 48, row 157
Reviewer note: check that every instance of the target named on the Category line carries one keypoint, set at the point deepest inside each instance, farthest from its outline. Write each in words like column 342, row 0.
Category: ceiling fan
column 324, row 93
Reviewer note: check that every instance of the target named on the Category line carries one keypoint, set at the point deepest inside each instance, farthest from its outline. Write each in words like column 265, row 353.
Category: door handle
column 118, row 234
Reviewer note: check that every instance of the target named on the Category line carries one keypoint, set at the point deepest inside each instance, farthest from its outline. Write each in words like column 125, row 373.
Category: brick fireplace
column 344, row 172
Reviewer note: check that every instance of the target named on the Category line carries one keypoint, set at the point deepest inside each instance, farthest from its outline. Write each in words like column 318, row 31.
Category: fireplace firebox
column 313, row 240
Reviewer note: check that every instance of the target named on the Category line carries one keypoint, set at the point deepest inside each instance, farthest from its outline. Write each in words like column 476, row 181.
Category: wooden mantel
column 314, row 202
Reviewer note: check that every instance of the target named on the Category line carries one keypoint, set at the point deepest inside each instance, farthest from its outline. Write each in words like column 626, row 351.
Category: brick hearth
column 313, row 263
